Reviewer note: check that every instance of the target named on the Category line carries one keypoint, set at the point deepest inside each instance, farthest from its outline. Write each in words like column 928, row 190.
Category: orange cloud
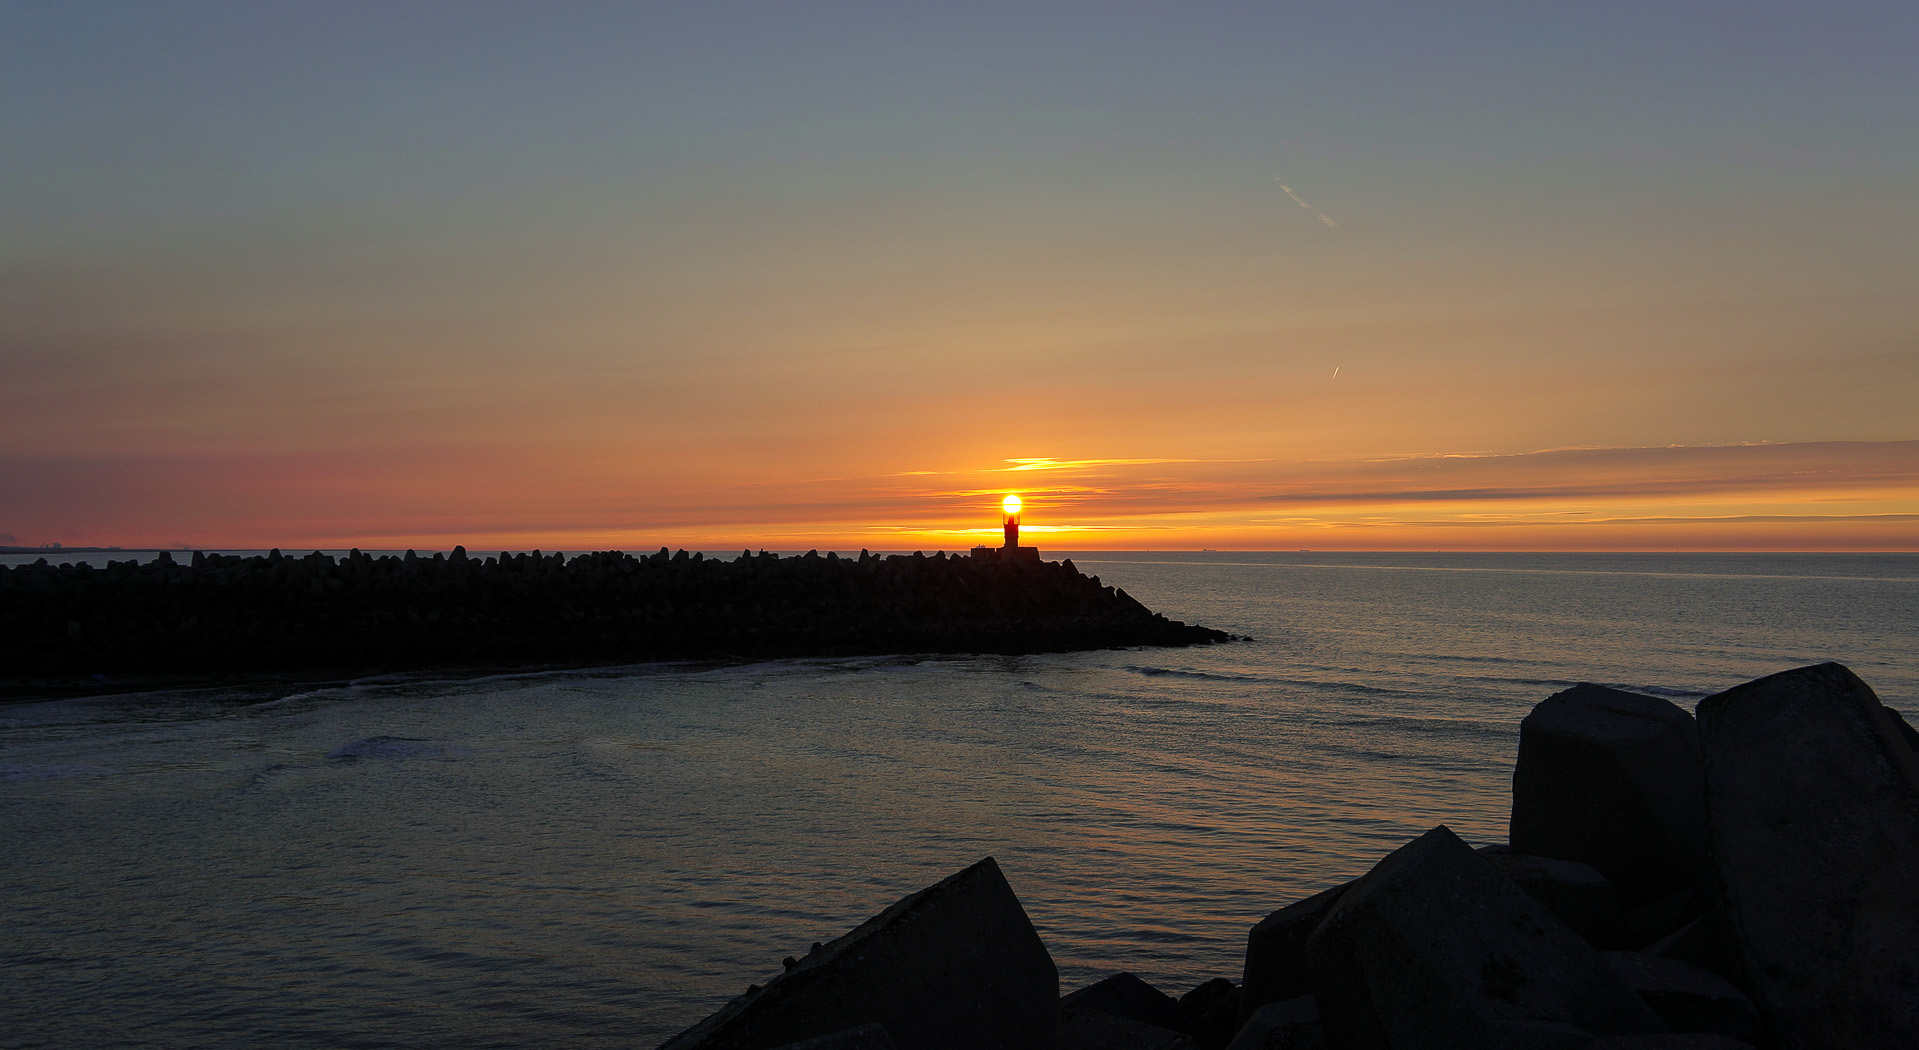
column 1813, row 495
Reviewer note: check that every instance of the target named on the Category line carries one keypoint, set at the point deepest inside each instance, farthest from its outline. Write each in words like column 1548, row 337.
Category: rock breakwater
column 227, row 613
column 1746, row 878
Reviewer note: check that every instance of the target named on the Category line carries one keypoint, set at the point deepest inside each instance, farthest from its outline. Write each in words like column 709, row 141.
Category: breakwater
column 222, row 613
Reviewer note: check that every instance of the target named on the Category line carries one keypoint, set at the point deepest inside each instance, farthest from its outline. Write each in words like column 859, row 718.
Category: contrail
column 1320, row 215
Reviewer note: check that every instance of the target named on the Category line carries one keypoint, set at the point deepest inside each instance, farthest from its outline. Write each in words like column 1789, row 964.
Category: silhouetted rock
column 1906, row 732
column 1706, row 942
column 1611, row 779
column 1099, row 1030
column 1686, row 997
column 1656, row 919
column 1436, row 948
column 956, row 965
column 1289, row 1025
column 1124, row 995
column 1575, row 893
column 1277, row 965
column 1814, row 798
column 1213, row 1009
column 865, row 1037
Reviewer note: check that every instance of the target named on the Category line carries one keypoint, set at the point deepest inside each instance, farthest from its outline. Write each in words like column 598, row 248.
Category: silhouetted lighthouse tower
column 1010, row 507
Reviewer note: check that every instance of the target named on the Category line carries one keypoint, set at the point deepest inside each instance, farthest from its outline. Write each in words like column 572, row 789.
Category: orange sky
column 318, row 277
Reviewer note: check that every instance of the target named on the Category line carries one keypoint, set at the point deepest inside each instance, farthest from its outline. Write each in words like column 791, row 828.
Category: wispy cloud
column 1317, row 214
column 1048, row 463
column 1610, row 474
column 1865, row 488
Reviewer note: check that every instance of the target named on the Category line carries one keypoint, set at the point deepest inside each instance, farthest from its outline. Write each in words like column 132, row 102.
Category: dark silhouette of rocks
column 1098, row 1030
column 1706, row 942
column 1436, row 939
column 1611, row 779
column 1213, row 1010
column 224, row 613
column 1686, row 997
column 1814, row 800
column 1292, row 1024
column 1778, row 906
column 956, row 966
column 1124, row 995
column 1277, row 967
column 1575, row 893
column 865, row 1037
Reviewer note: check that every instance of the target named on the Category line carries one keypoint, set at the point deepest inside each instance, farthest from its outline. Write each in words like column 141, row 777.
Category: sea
column 601, row 857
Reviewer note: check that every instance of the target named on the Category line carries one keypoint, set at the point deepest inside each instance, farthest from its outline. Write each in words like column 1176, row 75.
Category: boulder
column 865, row 1037
column 1814, row 799
column 1611, row 779
column 1436, row 948
column 1124, row 995
column 1277, row 967
column 1575, row 893
column 1289, row 1025
column 1213, row 1009
column 1686, row 997
column 1906, row 732
column 1656, row 919
column 1098, row 1030
column 956, row 965
column 1706, row 942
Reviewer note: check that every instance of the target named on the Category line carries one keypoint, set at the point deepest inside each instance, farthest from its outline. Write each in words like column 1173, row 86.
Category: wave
column 386, row 747
column 54, row 771
column 1187, row 672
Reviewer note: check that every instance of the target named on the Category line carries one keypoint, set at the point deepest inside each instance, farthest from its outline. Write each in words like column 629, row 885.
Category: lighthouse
column 1010, row 509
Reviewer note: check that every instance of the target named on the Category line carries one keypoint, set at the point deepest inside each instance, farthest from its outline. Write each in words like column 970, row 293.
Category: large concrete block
column 1435, row 948
column 956, row 966
column 1686, row 997
column 865, row 1037
column 1575, row 893
column 1099, row 1030
column 1124, row 995
column 1277, row 967
column 1213, row 1008
column 1612, row 779
column 1708, row 943
column 1814, row 800
column 1289, row 1025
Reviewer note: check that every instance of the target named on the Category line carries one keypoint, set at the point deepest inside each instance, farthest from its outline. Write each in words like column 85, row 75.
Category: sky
column 1331, row 276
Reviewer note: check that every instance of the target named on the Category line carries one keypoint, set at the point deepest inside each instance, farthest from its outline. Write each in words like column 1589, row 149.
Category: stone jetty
column 1742, row 877
column 359, row 614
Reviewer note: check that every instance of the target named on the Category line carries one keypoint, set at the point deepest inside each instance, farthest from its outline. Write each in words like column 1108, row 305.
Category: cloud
column 406, row 496
column 1610, row 474
column 1048, row 463
column 1320, row 215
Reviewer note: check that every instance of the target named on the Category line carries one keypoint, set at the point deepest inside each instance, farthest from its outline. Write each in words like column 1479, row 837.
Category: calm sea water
column 600, row 858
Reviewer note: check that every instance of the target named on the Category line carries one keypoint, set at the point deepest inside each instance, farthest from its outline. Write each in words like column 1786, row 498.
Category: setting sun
column 1010, row 504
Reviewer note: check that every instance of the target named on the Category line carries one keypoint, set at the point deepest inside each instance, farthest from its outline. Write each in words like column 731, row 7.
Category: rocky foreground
column 1748, row 877
column 226, row 613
